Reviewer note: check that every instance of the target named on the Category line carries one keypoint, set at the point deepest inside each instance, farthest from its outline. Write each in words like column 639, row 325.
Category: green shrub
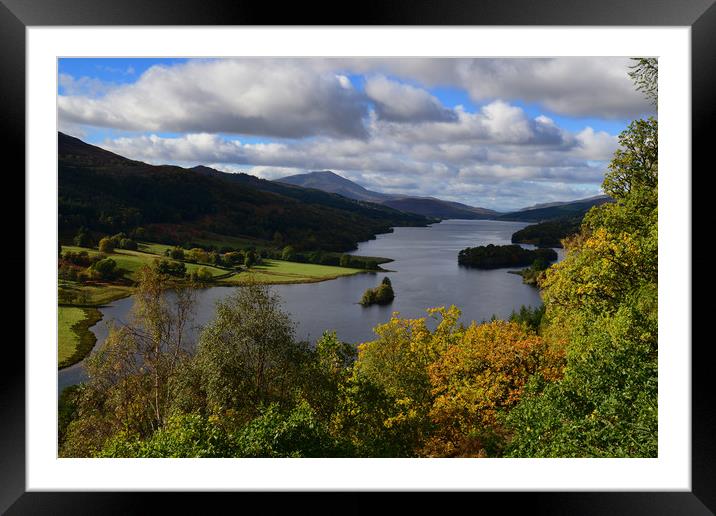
column 105, row 269
column 127, row 243
column 106, row 245
column 381, row 295
column 202, row 275
column 171, row 268
column 83, row 239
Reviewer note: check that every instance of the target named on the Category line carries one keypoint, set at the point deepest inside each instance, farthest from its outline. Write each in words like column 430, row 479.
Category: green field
column 154, row 248
column 132, row 261
column 279, row 271
column 74, row 340
column 270, row 272
column 73, row 293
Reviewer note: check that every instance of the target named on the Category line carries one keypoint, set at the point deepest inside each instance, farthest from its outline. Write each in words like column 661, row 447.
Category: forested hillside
column 107, row 193
column 562, row 210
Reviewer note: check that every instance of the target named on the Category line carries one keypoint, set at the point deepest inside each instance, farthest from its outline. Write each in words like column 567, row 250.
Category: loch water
column 424, row 273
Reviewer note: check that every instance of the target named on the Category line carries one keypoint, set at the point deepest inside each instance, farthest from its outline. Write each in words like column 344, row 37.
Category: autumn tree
column 106, row 245
column 477, row 379
column 601, row 305
column 606, row 405
column 131, row 374
column 387, row 399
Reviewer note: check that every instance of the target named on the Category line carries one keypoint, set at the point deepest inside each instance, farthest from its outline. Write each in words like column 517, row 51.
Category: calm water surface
column 424, row 274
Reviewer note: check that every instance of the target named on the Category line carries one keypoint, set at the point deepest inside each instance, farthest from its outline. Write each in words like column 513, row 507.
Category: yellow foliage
column 477, row 377
column 397, row 362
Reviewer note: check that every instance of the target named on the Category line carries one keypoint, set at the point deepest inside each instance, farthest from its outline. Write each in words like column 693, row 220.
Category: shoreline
column 87, row 339
column 83, row 330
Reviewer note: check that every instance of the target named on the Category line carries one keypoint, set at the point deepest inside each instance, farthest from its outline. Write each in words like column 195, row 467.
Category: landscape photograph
column 357, row 257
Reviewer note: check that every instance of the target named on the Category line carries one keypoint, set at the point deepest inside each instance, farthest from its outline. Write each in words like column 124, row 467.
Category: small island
column 498, row 256
column 380, row 295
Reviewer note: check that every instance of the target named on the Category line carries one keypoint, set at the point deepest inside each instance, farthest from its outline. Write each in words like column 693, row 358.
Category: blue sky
column 497, row 133
column 115, row 70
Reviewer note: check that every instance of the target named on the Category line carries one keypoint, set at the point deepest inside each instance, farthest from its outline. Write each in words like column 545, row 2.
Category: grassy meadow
column 78, row 302
column 74, row 338
column 281, row 272
column 132, row 261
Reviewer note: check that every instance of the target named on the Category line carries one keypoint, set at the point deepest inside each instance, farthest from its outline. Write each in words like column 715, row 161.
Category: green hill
column 108, row 193
column 557, row 210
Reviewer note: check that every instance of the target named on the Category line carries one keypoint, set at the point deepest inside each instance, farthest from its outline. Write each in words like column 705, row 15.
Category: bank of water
column 424, row 274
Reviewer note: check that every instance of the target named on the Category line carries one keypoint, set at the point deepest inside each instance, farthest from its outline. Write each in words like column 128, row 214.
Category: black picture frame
column 17, row 15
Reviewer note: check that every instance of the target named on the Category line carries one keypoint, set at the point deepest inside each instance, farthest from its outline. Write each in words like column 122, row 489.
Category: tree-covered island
column 380, row 295
column 498, row 256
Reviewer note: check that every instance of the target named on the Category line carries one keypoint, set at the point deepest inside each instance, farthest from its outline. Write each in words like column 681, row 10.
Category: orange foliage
column 477, row 378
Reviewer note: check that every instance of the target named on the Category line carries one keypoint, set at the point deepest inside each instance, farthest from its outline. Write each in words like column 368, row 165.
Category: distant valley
column 328, row 181
column 107, row 193
column 556, row 210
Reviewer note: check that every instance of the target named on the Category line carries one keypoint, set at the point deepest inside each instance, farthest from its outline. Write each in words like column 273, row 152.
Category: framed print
column 226, row 191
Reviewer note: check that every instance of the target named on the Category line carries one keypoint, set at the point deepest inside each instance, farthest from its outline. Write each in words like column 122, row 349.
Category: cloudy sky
column 496, row 133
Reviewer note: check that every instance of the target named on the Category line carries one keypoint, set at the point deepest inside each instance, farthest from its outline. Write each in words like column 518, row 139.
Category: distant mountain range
column 556, row 210
column 108, row 193
column 558, row 203
column 328, row 181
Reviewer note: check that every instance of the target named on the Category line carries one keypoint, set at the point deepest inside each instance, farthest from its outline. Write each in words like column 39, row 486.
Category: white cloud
column 507, row 123
column 573, row 86
column 595, row 145
column 499, row 148
column 405, row 103
column 269, row 173
column 272, row 97
column 84, row 86
column 395, row 136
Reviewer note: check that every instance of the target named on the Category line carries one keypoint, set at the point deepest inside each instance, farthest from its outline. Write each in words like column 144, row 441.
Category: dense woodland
column 108, row 194
column 492, row 256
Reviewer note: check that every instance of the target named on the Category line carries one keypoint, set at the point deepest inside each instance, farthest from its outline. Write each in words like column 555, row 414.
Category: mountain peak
column 428, row 206
column 322, row 175
column 329, row 181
